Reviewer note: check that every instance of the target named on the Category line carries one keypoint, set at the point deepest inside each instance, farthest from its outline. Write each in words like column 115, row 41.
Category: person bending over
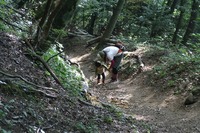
column 114, row 55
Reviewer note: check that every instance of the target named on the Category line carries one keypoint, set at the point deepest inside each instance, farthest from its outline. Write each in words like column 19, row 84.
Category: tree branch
column 46, row 66
column 28, row 82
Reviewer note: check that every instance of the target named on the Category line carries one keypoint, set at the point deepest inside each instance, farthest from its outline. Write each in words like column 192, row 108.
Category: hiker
column 113, row 54
column 100, row 71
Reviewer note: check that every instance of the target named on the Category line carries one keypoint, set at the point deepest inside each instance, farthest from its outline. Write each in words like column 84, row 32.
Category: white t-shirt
column 111, row 52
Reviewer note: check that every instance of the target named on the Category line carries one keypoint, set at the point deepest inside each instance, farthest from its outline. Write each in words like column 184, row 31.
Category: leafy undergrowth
column 31, row 113
column 177, row 70
column 26, row 107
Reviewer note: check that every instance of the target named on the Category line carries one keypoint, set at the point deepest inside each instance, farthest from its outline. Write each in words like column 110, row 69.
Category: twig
column 54, row 56
column 44, row 128
column 47, row 67
column 49, row 70
column 87, row 103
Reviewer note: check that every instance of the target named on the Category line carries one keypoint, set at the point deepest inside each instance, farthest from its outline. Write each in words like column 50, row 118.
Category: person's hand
column 110, row 69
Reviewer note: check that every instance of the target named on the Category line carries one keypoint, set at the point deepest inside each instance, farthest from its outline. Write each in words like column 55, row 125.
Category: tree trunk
column 173, row 6
column 191, row 24
column 112, row 22
column 170, row 6
column 179, row 23
column 42, row 21
column 46, row 28
column 65, row 14
column 92, row 22
column 169, row 3
column 167, row 8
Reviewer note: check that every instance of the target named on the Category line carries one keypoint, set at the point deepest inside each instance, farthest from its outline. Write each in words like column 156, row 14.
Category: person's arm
column 112, row 64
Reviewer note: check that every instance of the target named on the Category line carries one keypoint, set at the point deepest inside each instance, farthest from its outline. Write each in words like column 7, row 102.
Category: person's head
column 120, row 45
column 97, row 64
column 122, row 48
column 102, row 55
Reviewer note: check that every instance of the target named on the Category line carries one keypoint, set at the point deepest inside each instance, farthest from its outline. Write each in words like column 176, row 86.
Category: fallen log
column 97, row 39
column 94, row 40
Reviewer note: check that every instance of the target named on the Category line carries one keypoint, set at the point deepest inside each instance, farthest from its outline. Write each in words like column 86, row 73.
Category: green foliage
column 68, row 75
column 85, row 9
column 3, row 112
column 58, row 34
column 181, row 65
column 13, row 20
column 88, row 128
column 4, row 131
column 108, row 119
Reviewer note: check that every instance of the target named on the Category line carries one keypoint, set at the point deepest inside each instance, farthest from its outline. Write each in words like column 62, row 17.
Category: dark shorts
column 118, row 60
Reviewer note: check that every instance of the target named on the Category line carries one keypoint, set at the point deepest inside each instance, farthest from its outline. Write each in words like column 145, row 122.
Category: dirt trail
column 163, row 110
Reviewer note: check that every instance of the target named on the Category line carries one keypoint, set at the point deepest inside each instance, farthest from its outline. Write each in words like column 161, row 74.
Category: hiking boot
column 113, row 80
column 114, row 77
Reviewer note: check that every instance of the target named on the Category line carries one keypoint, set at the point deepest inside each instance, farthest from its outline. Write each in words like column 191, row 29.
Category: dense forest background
column 170, row 21
column 169, row 28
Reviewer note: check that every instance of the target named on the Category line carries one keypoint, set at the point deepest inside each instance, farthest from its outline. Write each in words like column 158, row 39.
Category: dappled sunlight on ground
column 80, row 58
column 141, row 117
column 134, row 95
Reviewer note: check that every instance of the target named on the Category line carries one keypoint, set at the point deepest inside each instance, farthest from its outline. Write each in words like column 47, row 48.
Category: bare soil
column 163, row 110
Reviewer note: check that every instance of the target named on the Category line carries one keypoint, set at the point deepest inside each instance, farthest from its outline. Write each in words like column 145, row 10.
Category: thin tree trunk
column 92, row 22
column 170, row 6
column 179, row 23
column 173, row 6
column 44, row 18
column 51, row 18
column 167, row 7
column 47, row 27
column 112, row 22
column 191, row 24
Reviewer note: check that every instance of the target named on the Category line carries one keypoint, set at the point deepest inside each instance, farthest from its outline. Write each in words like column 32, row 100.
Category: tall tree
column 192, row 22
column 112, row 22
column 90, row 26
column 65, row 14
column 43, row 31
column 170, row 6
column 173, row 6
column 179, row 23
column 51, row 13
column 43, row 19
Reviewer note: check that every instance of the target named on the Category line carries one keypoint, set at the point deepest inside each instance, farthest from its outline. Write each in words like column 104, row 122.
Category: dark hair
column 120, row 46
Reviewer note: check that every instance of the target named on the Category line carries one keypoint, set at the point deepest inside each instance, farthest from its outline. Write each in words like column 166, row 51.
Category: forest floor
column 23, row 110
column 162, row 109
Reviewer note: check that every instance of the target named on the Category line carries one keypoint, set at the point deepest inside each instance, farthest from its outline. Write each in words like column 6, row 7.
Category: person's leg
column 115, row 69
column 114, row 76
column 98, row 78
column 103, row 77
